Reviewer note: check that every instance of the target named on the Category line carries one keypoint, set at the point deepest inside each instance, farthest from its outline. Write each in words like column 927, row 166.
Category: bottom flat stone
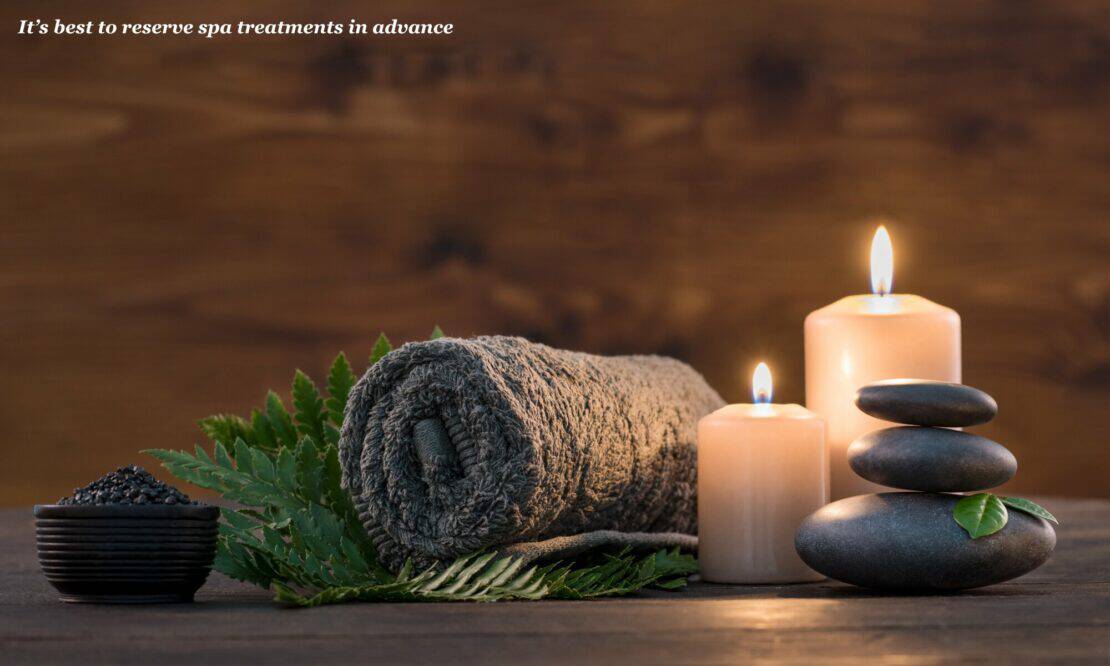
column 910, row 541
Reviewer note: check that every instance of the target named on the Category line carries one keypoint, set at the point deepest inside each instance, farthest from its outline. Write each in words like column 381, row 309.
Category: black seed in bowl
column 126, row 538
column 127, row 485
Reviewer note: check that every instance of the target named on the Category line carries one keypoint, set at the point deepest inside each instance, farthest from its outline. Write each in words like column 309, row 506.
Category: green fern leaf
column 280, row 420
column 264, row 435
column 201, row 454
column 286, row 468
column 227, row 428
column 331, row 434
column 340, row 381
column 223, row 458
column 309, row 482
column 308, row 407
column 243, row 457
column 381, row 348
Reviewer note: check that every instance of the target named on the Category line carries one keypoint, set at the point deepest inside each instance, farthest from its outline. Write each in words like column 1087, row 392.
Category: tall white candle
column 866, row 338
column 762, row 469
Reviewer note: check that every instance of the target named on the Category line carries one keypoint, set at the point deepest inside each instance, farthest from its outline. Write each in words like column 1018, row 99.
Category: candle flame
column 761, row 384
column 882, row 263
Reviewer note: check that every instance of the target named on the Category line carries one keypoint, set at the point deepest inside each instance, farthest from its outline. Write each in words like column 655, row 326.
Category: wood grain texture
column 1059, row 613
column 184, row 221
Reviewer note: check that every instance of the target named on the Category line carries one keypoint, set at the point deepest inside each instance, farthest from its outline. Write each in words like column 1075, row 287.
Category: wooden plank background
column 184, row 221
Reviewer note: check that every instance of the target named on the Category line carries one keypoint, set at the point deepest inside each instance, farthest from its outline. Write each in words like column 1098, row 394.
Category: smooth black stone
column 931, row 459
column 926, row 403
column 909, row 541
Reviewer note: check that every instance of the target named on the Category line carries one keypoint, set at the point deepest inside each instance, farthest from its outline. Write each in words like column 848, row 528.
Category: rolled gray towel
column 454, row 446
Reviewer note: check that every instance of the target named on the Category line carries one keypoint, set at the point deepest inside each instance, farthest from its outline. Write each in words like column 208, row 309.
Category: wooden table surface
column 1058, row 613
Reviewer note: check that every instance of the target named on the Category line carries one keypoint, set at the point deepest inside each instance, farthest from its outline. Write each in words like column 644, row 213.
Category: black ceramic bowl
column 126, row 553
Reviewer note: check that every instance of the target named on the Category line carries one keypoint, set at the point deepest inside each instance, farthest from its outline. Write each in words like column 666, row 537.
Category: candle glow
column 882, row 263
column 761, row 384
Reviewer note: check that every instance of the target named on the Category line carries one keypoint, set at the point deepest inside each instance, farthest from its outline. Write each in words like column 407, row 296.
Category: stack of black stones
column 910, row 540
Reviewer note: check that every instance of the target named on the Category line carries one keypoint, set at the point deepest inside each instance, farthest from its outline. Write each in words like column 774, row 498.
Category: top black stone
column 926, row 403
column 127, row 485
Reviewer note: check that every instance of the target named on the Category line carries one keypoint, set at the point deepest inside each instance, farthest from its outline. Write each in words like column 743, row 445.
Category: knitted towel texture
column 453, row 446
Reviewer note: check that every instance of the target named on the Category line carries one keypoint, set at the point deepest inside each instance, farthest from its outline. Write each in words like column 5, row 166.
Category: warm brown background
column 185, row 221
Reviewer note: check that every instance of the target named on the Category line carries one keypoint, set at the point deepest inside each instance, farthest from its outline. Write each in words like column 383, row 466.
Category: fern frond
column 484, row 577
column 227, row 428
column 280, row 421
column 308, row 407
column 381, row 348
column 264, row 435
column 340, row 382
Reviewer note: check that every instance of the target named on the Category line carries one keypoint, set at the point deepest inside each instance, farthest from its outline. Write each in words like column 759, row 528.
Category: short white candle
column 867, row 338
column 762, row 468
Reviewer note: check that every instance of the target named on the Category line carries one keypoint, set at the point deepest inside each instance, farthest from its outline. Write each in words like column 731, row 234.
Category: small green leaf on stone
column 437, row 333
column 981, row 515
column 381, row 348
column 1032, row 508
